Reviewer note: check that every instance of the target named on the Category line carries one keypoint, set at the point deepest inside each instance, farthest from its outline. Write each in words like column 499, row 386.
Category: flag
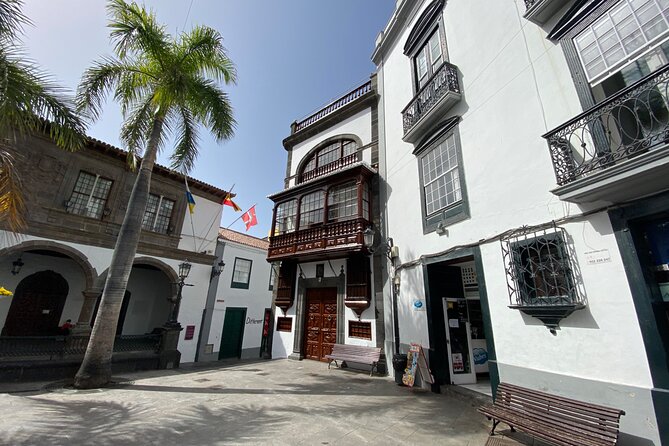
column 227, row 201
column 249, row 217
column 190, row 200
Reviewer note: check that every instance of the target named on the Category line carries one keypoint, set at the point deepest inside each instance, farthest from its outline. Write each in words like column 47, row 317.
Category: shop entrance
column 321, row 323
column 233, row 333
column 454, row 287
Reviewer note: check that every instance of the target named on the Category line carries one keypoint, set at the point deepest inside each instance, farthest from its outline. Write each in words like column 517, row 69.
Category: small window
column 361, row 330
column 284, row 324
column 311, row 209
column 428, row 59
column 158, row 214
column 286, row 216
column 241, row 274
column 343, row 202
column 89, row 195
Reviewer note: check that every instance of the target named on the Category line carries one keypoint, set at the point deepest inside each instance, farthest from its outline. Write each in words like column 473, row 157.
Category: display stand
column 416, row 363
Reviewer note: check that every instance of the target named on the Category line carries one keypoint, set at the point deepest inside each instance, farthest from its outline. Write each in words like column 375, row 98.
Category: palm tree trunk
column 95, row 370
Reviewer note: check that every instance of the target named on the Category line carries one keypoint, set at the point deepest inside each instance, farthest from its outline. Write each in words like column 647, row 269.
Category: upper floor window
column 89, row 195
column 286, row 216
column 632, row 29
column 428, row 59
column 311, row 209
column 441, row 176
column 241, row 274
column 343, row 202
column 324, row 160
column 158, row 214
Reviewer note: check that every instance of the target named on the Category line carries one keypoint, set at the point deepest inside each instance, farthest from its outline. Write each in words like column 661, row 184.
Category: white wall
column 148, row 307
column 255, row 299
column 206, row 219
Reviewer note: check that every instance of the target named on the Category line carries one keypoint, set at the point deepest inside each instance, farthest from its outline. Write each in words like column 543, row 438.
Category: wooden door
column 321, row 323
column 37, row 305
column 233, row 333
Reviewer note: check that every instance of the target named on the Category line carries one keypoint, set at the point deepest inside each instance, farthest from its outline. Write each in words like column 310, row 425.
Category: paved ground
column 272, row 402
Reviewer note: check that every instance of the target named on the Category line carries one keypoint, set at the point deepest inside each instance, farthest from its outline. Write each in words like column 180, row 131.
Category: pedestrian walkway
column 278, row 402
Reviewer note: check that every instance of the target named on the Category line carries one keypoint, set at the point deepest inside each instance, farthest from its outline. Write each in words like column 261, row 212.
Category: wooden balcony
column 324, row 240
column 330, row 167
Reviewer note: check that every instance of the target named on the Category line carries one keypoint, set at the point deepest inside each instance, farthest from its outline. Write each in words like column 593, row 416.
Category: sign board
column 458, row 363
column 416, row 363
column 190, row 332
column 597, row 257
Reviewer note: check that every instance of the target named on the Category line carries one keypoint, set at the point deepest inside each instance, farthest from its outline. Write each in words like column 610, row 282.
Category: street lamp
column 217, row 269
column 17, row 265
column 184, row 270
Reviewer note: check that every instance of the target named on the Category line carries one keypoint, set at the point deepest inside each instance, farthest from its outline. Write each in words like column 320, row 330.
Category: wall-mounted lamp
column 217, row 269
column 388, row 248
column 320, row 272
column 17, row 265
column 441, row 229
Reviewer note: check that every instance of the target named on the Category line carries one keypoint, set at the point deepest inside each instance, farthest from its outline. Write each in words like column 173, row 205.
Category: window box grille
column 540, row 275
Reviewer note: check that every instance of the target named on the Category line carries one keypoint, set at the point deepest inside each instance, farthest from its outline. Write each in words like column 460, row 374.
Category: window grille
column 539, row 270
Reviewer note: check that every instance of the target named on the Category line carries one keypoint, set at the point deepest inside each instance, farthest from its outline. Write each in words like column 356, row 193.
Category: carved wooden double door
column 321, row 323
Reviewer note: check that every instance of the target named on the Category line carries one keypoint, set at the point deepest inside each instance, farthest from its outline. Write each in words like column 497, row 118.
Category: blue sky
column 292, row 57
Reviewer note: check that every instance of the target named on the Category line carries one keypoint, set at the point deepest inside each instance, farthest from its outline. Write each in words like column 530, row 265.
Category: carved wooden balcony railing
column 530, row 3
column 633, row 121
column 440, row 93
column 330, row 167
column 333, row 106
column 330, row 237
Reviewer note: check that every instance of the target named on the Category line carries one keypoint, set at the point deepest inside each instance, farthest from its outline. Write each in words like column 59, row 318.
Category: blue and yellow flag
column 190, row 200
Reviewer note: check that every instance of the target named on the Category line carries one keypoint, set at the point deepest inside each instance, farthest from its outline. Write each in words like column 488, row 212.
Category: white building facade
column 537, row 264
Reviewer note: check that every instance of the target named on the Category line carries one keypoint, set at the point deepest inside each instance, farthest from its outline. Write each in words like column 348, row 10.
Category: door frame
column 241, row 337
column 322, row 300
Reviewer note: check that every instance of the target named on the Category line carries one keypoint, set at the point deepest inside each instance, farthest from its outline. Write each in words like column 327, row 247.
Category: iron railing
column 530, row 3
column 631, row 122
column 333, row 106
column 59, row 346
column 444, row 81
column 329, row 168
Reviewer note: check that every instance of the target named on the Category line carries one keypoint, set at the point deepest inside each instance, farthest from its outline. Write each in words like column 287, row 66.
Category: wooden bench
column 354, row 353
column 554, row 419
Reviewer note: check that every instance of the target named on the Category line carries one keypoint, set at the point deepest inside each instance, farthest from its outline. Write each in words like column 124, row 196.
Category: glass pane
column 441, row 176
column 242, row 271
column 343, row 202
column 311, row 211
column 150, row 213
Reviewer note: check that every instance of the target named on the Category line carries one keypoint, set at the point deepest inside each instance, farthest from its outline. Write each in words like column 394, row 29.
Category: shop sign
column 458, row 363
column 597, row 257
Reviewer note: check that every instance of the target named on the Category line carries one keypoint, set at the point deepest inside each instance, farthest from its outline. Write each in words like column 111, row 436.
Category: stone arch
column 152, row 261
column 90, row 273
column 325, row 142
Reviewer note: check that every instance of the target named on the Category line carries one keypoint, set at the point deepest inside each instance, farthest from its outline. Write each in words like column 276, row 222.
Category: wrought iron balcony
column 540, row 11
column 430, row 104
column 620, row 135
column 346, row 99
column 320, row 240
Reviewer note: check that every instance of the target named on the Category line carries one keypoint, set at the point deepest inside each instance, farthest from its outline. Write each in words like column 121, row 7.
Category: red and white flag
column 249, row 217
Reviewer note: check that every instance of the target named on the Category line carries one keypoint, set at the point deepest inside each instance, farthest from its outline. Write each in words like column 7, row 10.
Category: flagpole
column 192, row 227
column 237, row 219
column 202, row 245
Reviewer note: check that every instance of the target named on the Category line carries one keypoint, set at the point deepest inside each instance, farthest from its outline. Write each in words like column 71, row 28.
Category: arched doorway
column 37, row 305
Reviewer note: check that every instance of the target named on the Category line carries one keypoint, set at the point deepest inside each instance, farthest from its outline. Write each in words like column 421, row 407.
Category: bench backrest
column 598, row 423
column 356, row 350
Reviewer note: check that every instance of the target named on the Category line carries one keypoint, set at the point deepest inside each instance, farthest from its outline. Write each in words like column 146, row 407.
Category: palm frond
column 186, row 149
column 12, row 205
column 96, row 83
column 31, row 102
column 211, row 106
column 136, row 30
column 12, row 19
column 136, row 127
column 202, row 50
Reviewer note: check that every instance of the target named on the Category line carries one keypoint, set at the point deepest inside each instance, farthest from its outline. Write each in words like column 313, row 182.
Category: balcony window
column 286, row 217
column 89, row 195
column 311, row 209
column 428, row 59
column 343, row 202
column 158, row 214
column 329, row 158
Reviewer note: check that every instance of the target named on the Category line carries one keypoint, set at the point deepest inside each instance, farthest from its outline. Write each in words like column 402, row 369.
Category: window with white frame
column 89, row 195
column 241, row 273
column 158, row 214
column 630, row 30
column 343, row 202
column 441, row 177
column 429, row 58
column 286, row 215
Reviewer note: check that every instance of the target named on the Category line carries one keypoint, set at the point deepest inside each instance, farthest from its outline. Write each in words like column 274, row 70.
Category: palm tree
column 163, row 83
column 29, row 103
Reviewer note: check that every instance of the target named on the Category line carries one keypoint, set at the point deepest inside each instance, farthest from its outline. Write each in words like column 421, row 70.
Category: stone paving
column 277, row 402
